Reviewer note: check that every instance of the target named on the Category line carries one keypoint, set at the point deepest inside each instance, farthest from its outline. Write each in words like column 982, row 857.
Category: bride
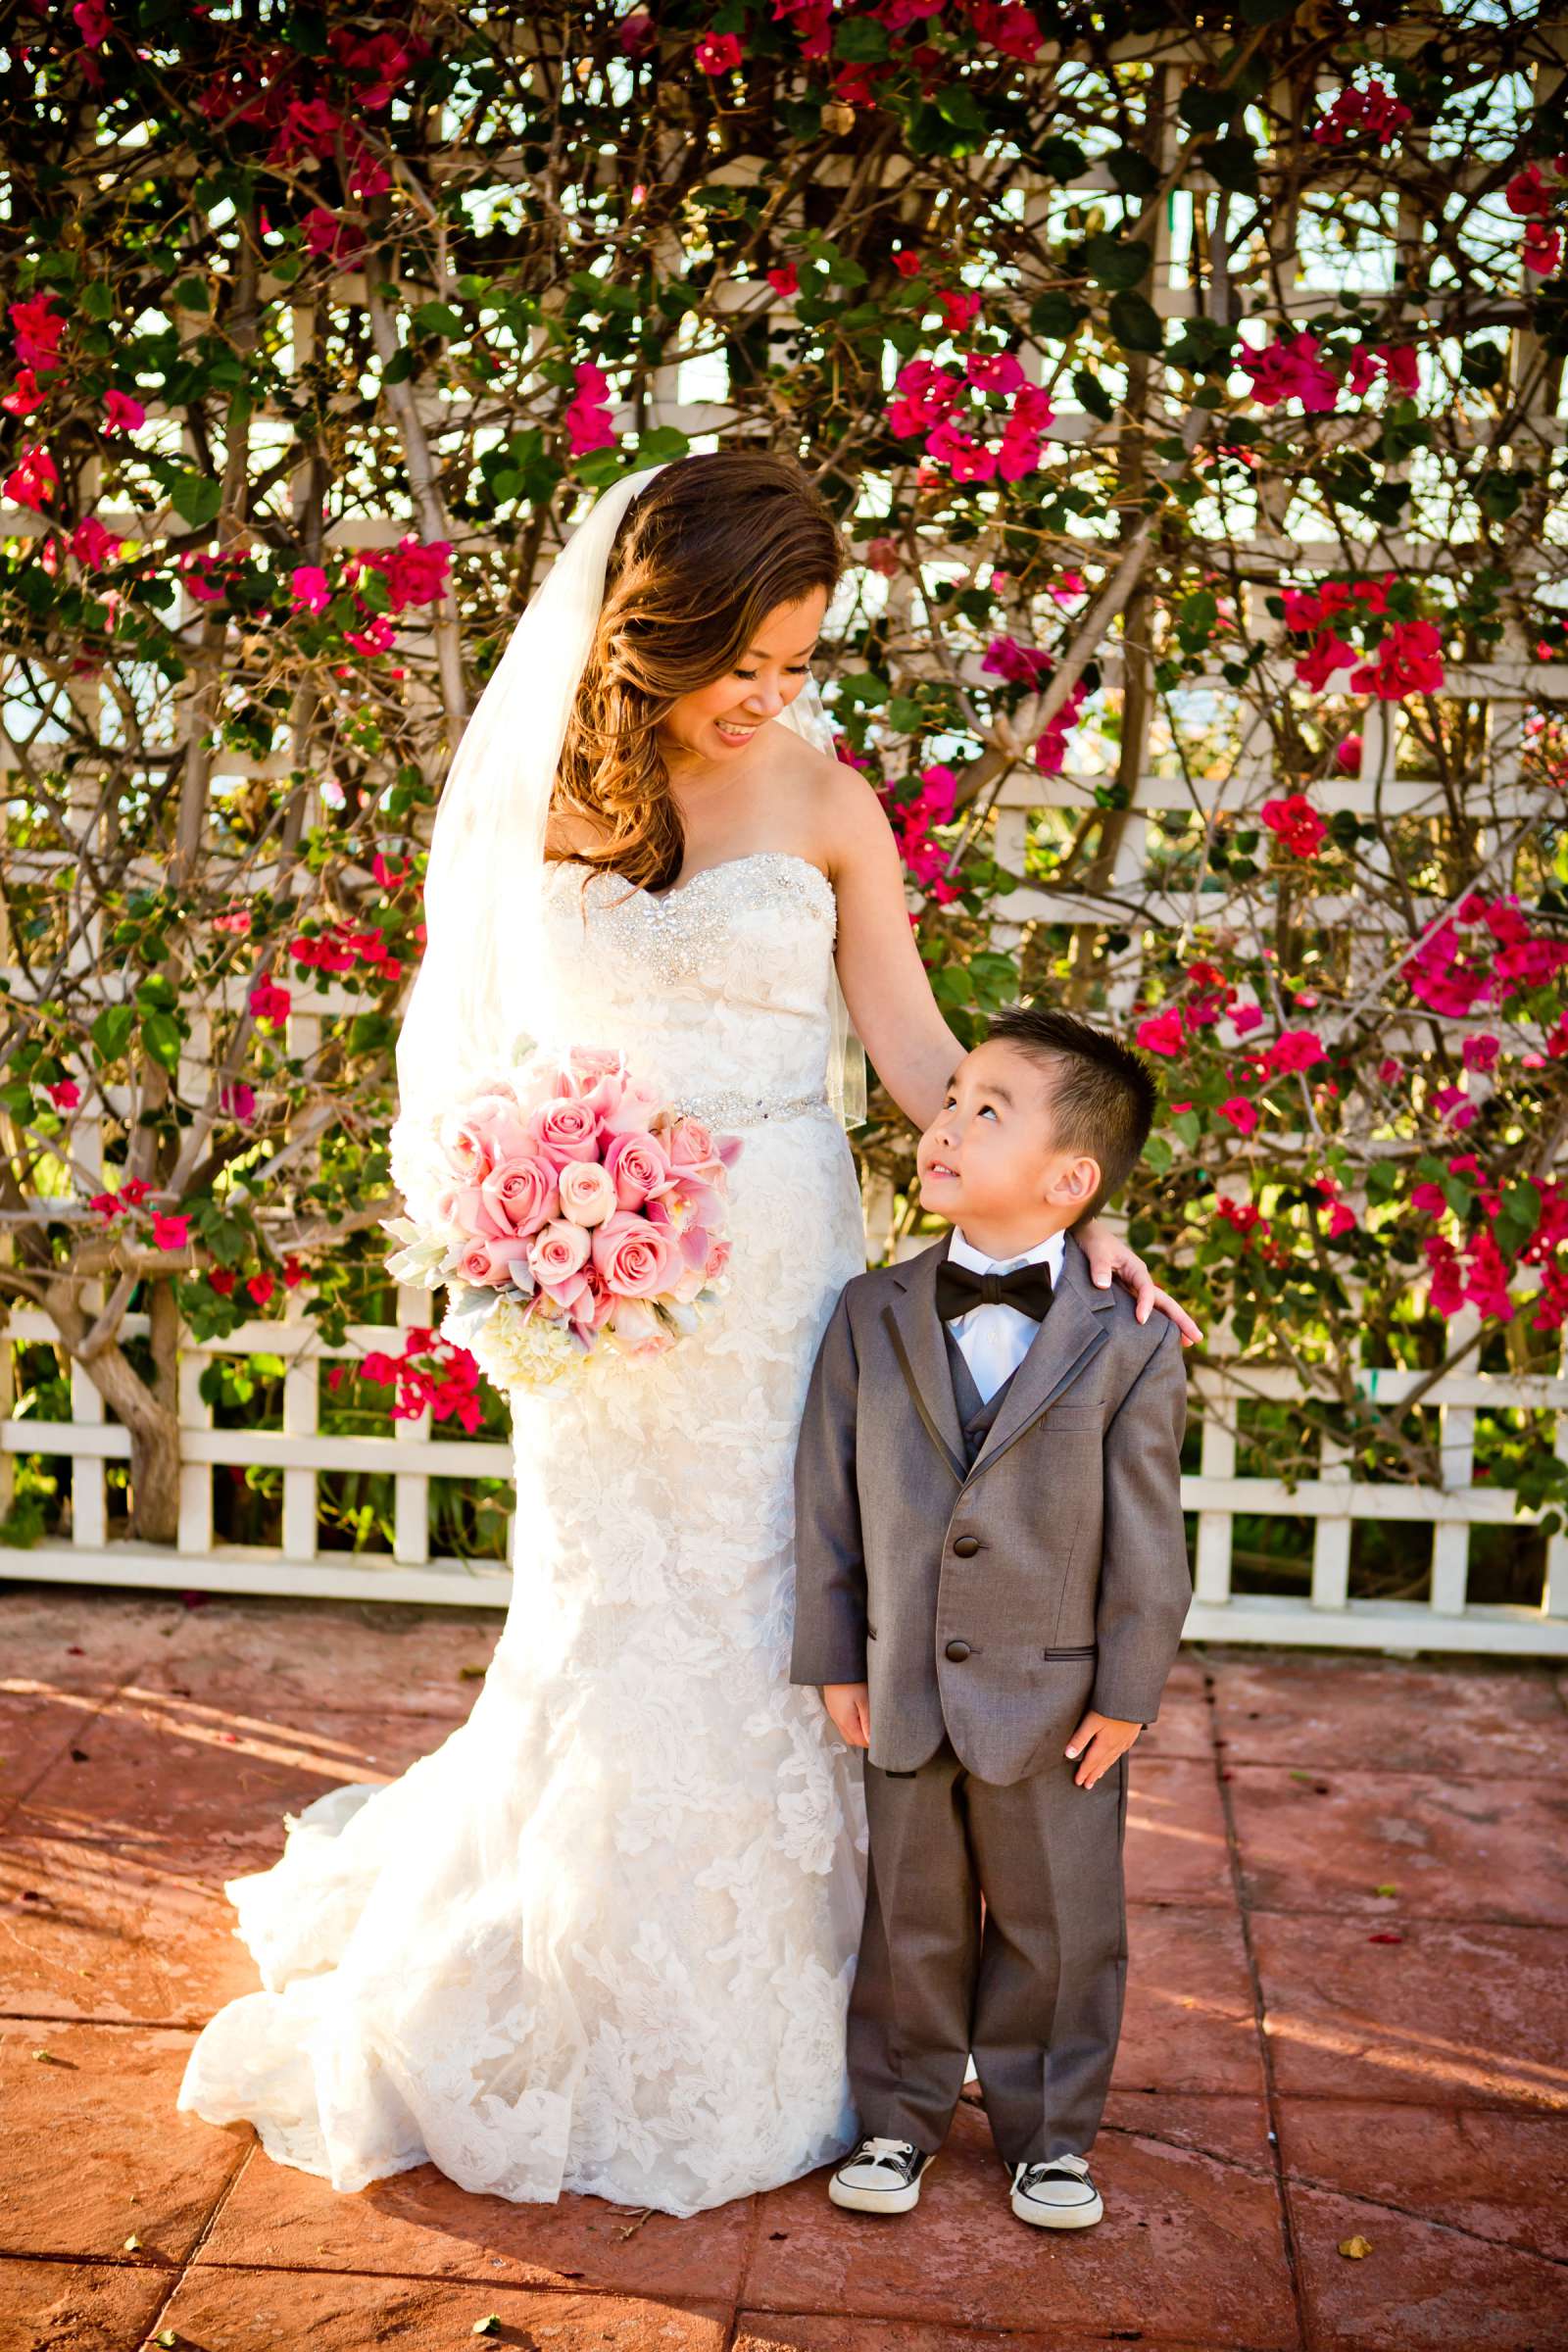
column 601, row 1939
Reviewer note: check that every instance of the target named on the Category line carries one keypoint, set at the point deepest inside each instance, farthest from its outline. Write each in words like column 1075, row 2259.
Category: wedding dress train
column 602, row 1939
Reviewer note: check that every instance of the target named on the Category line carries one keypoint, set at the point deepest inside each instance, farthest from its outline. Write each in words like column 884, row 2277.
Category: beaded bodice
column 720, row 989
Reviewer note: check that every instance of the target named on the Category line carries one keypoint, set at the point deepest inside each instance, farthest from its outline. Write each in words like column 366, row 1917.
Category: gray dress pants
column 1035, row 1992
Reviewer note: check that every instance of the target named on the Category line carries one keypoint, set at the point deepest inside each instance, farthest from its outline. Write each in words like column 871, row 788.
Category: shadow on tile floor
column 1346, row 2018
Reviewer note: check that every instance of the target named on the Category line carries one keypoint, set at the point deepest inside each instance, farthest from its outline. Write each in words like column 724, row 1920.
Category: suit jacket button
column 958, row 1652
column 966, row 1547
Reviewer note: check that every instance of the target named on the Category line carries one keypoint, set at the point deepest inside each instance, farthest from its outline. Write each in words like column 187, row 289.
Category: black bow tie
column 959, row 1288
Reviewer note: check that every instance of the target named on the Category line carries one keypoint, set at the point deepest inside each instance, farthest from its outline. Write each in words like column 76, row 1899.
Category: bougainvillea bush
column 1189, row 391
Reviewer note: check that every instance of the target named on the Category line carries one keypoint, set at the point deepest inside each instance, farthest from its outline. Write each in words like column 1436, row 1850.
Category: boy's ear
column 1076, row 1181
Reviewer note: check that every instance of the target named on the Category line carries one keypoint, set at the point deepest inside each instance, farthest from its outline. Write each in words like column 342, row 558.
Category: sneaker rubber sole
column 879, row 2201
column 1058, row 2217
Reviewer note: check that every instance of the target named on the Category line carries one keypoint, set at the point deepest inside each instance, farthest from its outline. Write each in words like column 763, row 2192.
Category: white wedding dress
column 602, row 1939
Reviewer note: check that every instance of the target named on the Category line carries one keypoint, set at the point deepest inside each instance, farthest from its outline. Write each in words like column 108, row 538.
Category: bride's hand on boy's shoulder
column 850, row 1706
column 1111, row 1258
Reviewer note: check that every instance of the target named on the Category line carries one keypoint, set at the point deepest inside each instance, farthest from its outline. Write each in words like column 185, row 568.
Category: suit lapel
column 1069, row 1336
column 919, row 1342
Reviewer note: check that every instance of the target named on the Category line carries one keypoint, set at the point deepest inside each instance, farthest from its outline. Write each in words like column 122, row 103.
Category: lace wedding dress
column 602, row 1939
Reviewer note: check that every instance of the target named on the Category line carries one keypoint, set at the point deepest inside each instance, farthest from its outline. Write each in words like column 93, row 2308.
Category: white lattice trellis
column 413, row 1455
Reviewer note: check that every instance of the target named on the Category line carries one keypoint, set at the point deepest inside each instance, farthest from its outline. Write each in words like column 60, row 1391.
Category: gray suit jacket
column 975, row 1598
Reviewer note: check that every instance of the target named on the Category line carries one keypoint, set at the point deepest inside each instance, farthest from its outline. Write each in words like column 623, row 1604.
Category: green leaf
column 860, row 39
column 1483, row 365
column 1203, row 345
column 156, row 993
column 957, row 104
column 1117, row 262
column 1133, row 173
column 1205, row 110
column 1092, row 394
column 662, row 446
column 438, row 318
column 1521, row 1204
column 1060, row 158
column 1231, row 164
column 196, row 498
column 160, row 1038
column 1135, row 323
column 1158, row 1154
column 110, row 1032
column 1053, row 316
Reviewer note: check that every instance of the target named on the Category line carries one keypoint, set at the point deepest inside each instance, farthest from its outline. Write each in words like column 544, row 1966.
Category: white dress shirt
column 994, row 1339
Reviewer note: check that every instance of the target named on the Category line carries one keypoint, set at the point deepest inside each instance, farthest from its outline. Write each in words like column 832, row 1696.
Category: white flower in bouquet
column 518, row 1348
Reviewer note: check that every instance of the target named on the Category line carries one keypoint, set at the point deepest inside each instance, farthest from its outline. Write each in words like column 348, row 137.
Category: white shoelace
column 885, row 2151
column 1078, row 2165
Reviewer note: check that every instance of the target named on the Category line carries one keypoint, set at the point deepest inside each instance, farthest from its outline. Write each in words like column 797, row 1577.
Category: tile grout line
column 1265, row 2055
column 663, row 2297
column 753, row 2238
column 200, row 2240
column 985, row 2331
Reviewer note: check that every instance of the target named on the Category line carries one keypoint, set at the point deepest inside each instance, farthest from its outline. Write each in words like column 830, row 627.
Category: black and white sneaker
column 1058, row 2194
column 883, row 2176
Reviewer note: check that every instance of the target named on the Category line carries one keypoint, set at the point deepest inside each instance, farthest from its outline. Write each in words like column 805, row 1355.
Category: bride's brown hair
column 703, row 554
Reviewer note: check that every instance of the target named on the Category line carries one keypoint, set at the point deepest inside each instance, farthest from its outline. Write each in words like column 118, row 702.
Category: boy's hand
column 849, row 1705
column 1099, row 1739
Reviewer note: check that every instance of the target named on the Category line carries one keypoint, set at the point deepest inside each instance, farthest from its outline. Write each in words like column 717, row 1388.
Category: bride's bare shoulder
column 836, row 802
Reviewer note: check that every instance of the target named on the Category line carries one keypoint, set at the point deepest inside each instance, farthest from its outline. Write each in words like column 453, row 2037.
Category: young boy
column 991, row 1585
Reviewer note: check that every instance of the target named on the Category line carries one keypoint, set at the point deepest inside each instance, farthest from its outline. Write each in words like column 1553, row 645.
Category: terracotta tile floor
column 1347, row 2016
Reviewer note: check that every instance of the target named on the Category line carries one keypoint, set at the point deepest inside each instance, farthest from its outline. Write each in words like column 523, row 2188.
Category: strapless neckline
column 725, row 865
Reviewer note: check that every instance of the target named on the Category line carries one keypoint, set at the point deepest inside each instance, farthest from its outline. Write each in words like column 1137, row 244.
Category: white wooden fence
column 415, row 1453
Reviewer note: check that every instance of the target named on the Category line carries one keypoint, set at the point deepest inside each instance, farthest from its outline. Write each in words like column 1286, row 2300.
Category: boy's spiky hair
column 1103, row 1094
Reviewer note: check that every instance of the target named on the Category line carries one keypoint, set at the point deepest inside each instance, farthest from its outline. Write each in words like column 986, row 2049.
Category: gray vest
column 975, row 1413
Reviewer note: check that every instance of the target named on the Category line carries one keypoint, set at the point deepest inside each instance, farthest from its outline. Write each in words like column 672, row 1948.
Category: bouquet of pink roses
column 581, row 1211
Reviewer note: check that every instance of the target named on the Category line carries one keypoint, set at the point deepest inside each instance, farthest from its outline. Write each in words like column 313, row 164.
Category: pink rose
column 595, row 1077
column 634, row 1258
column 638, row 1166
column 488, row 1264
column 588, row 1193
column 469, row 1213
column 633, row 1112
column 557, row 1254
column 639, row 1328
column 520, row 1194
column 691, row 1145
column 586, row 1063
column 566, row 1130
column 488, row 1128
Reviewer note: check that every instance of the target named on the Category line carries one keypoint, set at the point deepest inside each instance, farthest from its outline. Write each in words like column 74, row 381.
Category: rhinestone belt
column 737, row 1108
